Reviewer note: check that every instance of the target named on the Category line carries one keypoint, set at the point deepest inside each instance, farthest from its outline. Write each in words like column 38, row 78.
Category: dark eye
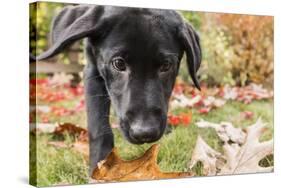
column 119, row 64
column 165, row 67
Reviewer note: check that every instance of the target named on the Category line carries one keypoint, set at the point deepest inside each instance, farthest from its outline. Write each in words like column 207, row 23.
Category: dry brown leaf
column 58, row 144
column 182, row 101
column 113, row 168
column 69, row 128
column 242, row 155
column 60, row 129
column 245, row 158
column 57, row 128
column 205, row 154
column 82, row 147
column 211, row 101
column 225, row 130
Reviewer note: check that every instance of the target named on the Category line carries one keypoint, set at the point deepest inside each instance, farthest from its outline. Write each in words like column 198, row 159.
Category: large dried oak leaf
column 246, row 158
column 242, row 150
column 113, row 168
column 207, row 155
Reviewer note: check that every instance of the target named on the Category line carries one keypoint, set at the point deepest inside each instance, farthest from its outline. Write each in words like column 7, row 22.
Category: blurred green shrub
column 193, row 17
column 217, row 53
column 237, row 49
column 216, row 66
column 41, row 15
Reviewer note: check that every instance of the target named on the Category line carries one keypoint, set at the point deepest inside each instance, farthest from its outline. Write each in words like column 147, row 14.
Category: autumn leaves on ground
column 57, row 102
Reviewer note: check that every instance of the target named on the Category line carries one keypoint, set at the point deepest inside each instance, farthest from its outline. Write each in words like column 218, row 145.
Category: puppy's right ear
column 191, row 44
column 74, row 23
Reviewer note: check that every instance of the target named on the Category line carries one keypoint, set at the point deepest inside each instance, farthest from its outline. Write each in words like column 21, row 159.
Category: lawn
column 63, row 166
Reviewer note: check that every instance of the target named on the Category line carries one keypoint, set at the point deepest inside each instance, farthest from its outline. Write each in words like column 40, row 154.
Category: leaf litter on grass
column 242, row 153
column 184, row 96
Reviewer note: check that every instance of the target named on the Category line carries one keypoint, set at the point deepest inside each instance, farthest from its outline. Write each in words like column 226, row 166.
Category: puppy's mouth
column 132, row 140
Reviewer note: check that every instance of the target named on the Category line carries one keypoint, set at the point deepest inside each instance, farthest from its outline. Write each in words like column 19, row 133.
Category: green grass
column 63, row 166
column 58, row 166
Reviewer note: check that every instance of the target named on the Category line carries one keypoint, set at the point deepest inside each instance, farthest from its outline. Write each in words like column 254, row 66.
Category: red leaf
column 77, row 91
column 186, row 119
column 45, row 119
column 248, row 114
column 174, row 120
column 205, row 110
column 179, row 88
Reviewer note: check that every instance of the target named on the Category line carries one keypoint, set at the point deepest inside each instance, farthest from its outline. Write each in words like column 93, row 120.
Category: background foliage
column 251, row 40
column 237, row 49
column 41, row 15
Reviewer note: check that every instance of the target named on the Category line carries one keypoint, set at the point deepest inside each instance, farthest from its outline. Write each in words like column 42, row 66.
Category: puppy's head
column 137, row 53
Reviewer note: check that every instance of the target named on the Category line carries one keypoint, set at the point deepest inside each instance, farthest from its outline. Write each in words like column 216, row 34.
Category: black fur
column 145, row 39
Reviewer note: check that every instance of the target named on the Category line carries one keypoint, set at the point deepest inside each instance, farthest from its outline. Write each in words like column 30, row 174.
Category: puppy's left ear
column 74, row 23
column 191, row 44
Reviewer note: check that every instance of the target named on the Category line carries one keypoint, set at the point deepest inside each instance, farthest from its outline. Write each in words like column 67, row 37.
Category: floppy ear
column 191, row 43
column 74, row 23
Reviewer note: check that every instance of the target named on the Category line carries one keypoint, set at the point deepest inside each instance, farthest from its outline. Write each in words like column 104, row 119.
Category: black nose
column 144, row 134
column 145, row 125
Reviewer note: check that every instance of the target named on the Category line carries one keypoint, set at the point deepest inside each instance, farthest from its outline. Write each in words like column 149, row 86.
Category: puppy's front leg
column 98, row 106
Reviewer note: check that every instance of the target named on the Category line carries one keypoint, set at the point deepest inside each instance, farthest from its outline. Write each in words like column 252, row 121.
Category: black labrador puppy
column 133, row 59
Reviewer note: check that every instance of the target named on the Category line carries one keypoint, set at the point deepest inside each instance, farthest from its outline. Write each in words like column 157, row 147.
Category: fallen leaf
column 204, row 110
column 246, row 94
column 186, row 118
column 242, row 150
column 225, row 130
column 83, row 137
column 213, row 102
column 60, row 79
column 58, row 144
column 230, row 93
column 69, row 128
column 81, row 147
column 61, row 129
column 183, row 101
column 174, row 120
column 40, row 108
column 183, row 118
column 247, row 114
column 179, row 88
column 245, row 158
column 113, row 168
column 61, row 111
column 205, row 154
